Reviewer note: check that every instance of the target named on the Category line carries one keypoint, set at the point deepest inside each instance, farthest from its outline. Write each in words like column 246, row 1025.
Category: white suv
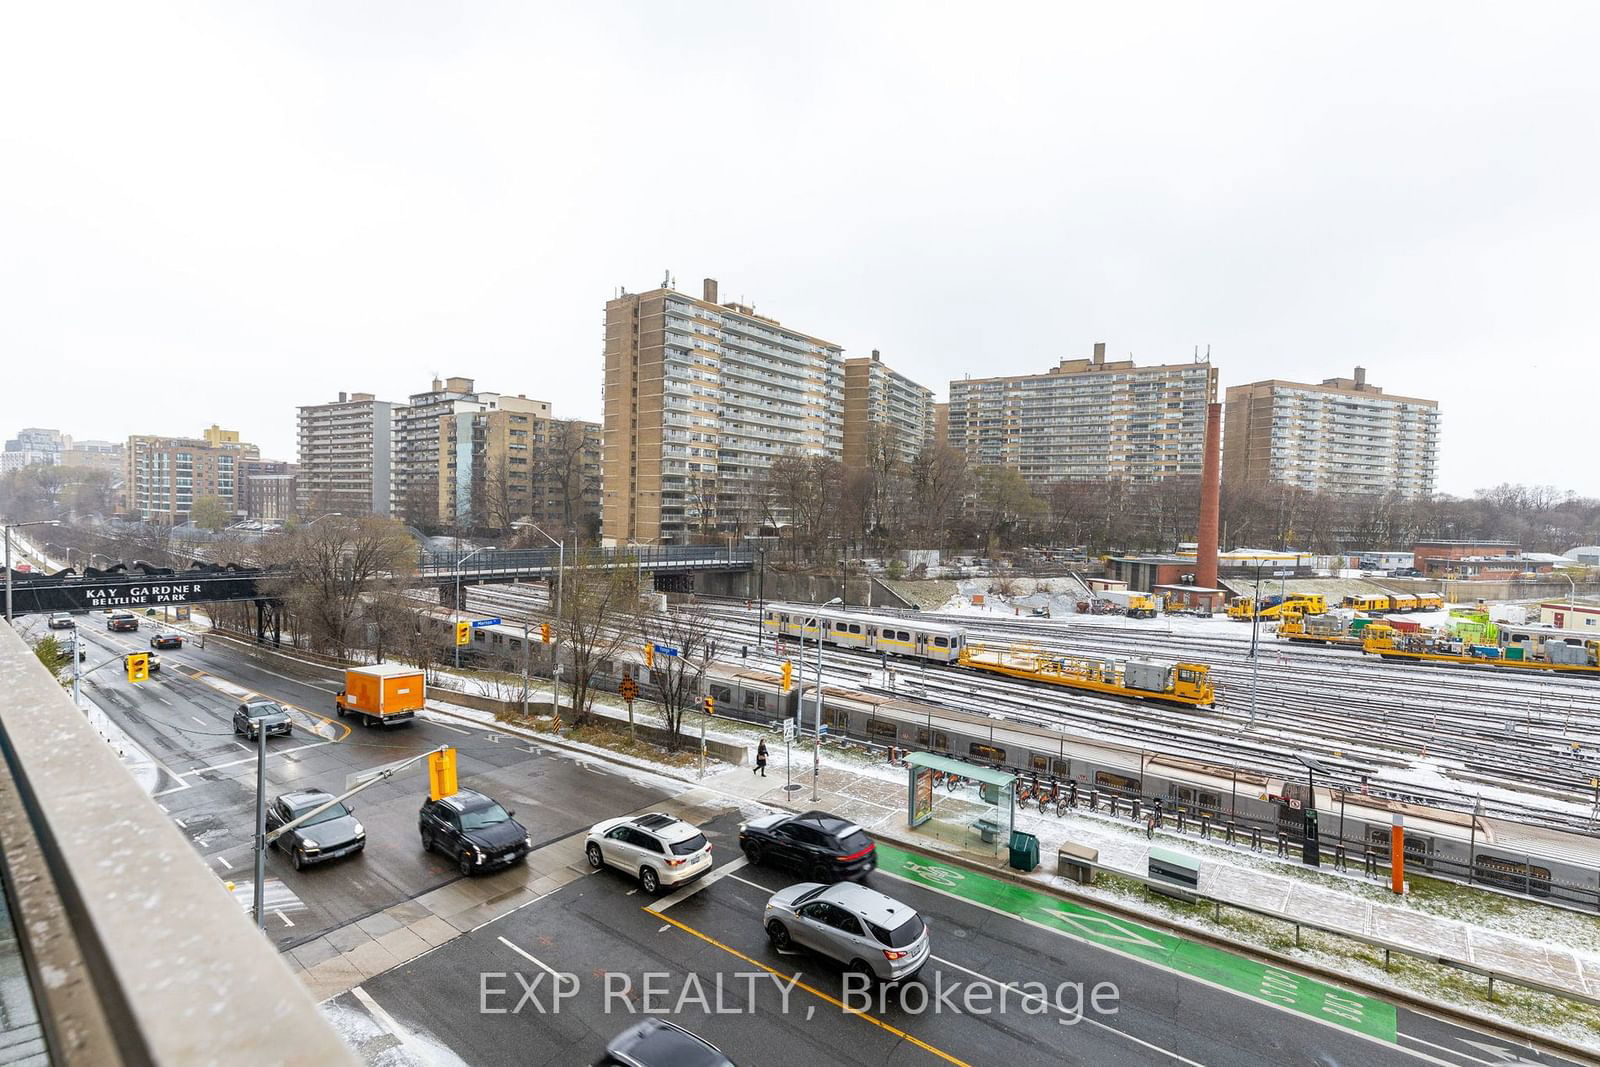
column 657, row 848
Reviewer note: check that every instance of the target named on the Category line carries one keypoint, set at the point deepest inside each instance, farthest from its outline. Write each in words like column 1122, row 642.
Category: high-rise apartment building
column 96, row 455
column 1342, row 436
column 164, row 476
column 518, row 464
column 1087, row 419
column 33, row 446
column 885, row 413
column 700, row 398
column 415, row 465
column 345, row 450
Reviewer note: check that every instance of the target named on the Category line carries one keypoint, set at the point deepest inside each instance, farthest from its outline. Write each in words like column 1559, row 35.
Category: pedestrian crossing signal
column 463, row 633
column 138, row 664
column 711, row 705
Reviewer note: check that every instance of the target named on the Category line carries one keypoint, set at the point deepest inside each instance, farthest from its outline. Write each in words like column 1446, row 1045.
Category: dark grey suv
column 325, row 836
column 254, row 716
column 474, row 830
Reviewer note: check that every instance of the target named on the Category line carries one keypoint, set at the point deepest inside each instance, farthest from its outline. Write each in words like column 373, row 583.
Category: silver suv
column 863, row 929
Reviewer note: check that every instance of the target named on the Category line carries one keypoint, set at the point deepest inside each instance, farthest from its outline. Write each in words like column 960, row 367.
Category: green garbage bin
column 1024, row 851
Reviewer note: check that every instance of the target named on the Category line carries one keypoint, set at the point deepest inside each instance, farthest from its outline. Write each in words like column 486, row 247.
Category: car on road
column 822, row 847
column 327, row 835
column 254, row 716
column 61, row 620
column 154, row 665
column 68, row 644
column 861, row 928
column 166, row 640
column 657, row 1043
column 657, row 848
column 474, row 830
column 122, row 620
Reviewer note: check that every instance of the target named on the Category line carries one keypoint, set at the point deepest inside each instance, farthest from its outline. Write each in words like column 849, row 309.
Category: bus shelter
column 970, row 806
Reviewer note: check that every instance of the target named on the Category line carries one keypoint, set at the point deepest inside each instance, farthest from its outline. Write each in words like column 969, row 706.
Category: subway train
column 1517, row 856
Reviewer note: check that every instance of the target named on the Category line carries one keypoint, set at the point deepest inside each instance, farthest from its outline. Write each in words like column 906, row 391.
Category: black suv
column 822, row 847
column 658, row 1043
column 474, row 830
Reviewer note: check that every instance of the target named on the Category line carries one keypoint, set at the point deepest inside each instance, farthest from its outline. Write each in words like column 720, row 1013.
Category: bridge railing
column 543, row 561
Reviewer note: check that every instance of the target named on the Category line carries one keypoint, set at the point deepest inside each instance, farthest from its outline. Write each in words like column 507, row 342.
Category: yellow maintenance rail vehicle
column 1389, row 603
column 1177, row 683
column 1528, row 648
column 1244, row 608
column 1322, row 629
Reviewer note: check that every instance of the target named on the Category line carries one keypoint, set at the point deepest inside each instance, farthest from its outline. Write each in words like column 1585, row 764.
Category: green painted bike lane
column 1375, row 1018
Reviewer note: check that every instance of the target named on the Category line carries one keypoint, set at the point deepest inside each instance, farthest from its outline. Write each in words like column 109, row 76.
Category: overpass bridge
column 671, row 567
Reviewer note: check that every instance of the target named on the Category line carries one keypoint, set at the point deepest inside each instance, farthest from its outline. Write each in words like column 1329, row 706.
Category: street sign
column 789, row 731
column 629, row 690
column 1283, row 574
column 485, row 622
column 665, row 650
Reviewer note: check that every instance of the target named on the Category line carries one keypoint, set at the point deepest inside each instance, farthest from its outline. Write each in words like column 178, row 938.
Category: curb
column 1390, row 994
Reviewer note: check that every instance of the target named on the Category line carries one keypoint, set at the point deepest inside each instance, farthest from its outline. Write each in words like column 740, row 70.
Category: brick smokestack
column 1205, row 573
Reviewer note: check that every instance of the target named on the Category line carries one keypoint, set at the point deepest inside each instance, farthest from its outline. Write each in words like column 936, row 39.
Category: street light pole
column 261, row 828
column 17, row 526
column 460, row 563
column 1255, row 658
column 555, row 645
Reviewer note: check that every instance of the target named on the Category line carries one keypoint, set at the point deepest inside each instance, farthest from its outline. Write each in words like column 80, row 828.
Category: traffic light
column 711, row 705
column 138, row 664
column 442, row 774
column 788, row 673
column 544, row 632
column 463, row 633
column 650, row 655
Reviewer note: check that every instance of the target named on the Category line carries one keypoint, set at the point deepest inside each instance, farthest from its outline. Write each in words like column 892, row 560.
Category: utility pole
column 261, row 828
column 527, row 654
column 1255, row 630
column 816, row 737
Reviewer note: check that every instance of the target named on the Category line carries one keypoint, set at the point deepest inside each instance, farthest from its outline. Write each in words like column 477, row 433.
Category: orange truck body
column 382, row 694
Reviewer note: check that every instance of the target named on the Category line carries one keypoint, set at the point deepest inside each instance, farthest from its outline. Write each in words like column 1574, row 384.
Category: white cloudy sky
column 219, row 211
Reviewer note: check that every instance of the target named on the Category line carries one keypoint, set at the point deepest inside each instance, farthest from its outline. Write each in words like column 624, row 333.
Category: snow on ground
column 386, row 1042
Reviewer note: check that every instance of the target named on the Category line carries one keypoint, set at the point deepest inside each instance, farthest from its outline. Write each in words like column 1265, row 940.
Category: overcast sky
column 214, row 213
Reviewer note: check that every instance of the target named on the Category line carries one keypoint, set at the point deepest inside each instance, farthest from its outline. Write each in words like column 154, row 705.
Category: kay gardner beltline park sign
column 72, row 593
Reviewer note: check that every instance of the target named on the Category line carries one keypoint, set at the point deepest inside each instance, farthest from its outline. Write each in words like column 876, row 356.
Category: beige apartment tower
column 344, row 451
column 518, row 464
column 700, row 398
column 886, row 414
column 1343, row 436
column 1087, row 419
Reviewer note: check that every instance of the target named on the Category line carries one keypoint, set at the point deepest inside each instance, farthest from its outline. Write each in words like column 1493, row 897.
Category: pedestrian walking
column 761, row 760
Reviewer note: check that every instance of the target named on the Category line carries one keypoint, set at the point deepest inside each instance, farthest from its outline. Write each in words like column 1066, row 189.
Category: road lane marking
column 819, row 994
column 543, row 966
column 386, row 1021
column 700, row 883
column 251, row 758
column 198, row 719
column 179, row 822
column 224, row 861
column 286, row 920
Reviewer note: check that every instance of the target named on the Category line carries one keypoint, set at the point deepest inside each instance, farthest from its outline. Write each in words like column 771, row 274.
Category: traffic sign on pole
column 665, row 650
column 485, row 622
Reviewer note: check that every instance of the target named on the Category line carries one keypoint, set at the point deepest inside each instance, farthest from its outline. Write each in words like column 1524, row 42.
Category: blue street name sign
column 485, row 622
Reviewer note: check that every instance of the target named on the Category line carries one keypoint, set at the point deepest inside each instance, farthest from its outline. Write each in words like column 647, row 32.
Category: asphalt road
column 204, row 776
column 704, row 961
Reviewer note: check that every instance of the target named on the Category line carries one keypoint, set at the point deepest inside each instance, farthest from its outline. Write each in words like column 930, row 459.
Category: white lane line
column 694, row 887
column 252, row 758
column 165, row 701
column 179, row 822
column 1081, row 1017
column 224, row 861
column 445, row 726
column 286, row 920
column 385, row 1020
column 1499, row 1050
column 198, row 719
column 545, row 967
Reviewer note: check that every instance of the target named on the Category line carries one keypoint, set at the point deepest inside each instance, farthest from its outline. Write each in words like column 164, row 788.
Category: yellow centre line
column 874, row 1020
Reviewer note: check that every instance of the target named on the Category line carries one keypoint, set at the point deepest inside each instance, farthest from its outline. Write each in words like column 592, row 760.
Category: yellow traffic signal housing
column 788, row 674
column 138, row 664
column 442, row 774
column 711, row 705
column 463, row 633
column 650, row 656
column 544, row 632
